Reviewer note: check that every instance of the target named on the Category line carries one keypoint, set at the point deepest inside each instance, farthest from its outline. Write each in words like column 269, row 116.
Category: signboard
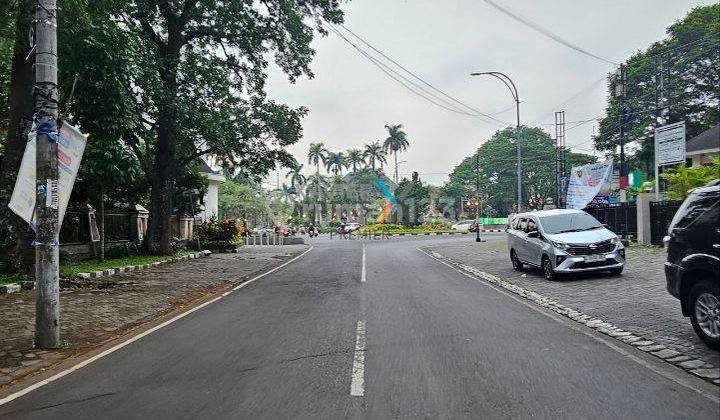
column 669, row 149
column 588, row 181
column 71, row 145
column 670, row 144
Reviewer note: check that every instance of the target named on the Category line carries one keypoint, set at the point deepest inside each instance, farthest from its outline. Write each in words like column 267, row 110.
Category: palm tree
column 374, row 153
column 335, row 162
column 354, row 158
column 317, row 153
column 297, row 179
column 396, row 141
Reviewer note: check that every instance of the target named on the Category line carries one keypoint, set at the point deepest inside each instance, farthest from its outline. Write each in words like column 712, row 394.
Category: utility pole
column 47, row 307
column 621, row 90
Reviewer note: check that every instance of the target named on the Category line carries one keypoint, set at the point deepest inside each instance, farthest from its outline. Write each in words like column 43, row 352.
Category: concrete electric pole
column 47, row 308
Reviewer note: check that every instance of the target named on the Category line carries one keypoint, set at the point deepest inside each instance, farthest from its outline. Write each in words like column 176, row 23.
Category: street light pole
column 507, row 81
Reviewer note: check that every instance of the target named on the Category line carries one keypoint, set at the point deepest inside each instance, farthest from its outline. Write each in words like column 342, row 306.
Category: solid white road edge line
column 363, row 274
column 357, row 383
column 118, row 346
column 584, row 330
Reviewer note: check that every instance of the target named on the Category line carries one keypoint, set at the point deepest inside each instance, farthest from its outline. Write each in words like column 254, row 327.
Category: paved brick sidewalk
column 91, row 316
column 636, row 301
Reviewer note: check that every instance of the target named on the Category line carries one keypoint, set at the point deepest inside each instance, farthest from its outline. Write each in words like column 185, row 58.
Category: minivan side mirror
column 533, row 234
column 606, row 226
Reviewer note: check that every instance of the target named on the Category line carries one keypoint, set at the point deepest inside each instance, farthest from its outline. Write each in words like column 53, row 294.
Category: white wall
column 211, row 200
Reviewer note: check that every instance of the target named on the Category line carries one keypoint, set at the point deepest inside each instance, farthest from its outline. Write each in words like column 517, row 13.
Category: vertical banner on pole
column 71, row 146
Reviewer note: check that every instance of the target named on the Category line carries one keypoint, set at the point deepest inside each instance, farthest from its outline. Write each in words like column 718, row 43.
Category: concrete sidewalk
column 92, row 316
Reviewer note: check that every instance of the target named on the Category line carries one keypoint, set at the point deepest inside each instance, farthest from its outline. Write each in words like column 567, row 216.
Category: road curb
column 130, row 268
column 695, row 366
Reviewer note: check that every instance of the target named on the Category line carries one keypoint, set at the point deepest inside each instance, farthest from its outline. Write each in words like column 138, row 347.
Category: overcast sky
column 443, row 41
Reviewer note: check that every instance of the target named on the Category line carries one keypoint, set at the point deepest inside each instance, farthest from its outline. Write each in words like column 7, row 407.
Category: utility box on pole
column 47, row 308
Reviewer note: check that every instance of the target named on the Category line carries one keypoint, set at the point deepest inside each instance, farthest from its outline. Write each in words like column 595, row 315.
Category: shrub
column 223, row 235
column 122, row 250
column 178, row 245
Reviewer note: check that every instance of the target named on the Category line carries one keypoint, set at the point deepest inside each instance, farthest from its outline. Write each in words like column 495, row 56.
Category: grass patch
column 10, row 278
column 73, row 269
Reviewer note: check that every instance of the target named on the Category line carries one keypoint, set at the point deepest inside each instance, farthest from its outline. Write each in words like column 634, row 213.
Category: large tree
column 195, row 72
column 685, row 67
column 497, row 168
column 396, row 142
column 17, row 114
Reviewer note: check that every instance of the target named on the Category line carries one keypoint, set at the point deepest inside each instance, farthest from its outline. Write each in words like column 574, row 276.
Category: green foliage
column 242, row 201
column 690, row 56
column 397, row 139
column 682, row 179
column 497, row 169
column 413, row 200
column 335, row 162
column 394, row 228
column 7, row 42
column 220, row 235
column 374, row 154
column 354, row 158
column 317, row 155
column 124, row 250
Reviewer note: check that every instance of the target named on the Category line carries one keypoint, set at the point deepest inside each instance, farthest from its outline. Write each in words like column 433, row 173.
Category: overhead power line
column 421, row 80
column 547, row 33
column 416, row 89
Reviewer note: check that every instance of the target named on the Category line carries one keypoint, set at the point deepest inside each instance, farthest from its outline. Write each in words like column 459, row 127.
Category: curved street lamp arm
column 507, row 81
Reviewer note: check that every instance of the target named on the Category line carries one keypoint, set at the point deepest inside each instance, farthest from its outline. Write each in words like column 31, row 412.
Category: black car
column 692, row 269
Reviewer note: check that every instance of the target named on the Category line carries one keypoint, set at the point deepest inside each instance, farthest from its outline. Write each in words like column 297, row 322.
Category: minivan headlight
column 560, row 245
column 615, row 240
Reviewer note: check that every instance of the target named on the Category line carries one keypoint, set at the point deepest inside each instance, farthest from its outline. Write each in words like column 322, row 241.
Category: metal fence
column 621, row 218
column 75, row 228
column 661, row 214
column 118, row 226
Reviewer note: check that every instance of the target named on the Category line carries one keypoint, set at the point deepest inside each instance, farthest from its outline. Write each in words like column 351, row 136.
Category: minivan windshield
column 572, row 222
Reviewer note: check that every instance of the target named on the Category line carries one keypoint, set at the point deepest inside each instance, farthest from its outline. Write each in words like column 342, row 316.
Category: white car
column 463, row 225
column 352, row 226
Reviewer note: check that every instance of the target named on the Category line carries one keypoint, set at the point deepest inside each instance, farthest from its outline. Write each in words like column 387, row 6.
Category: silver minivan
column 563, row 241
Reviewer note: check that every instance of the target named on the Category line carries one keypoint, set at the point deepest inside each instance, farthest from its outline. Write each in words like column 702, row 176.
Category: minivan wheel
column 547, row 269
column 517, row 265
column 616, row 271
column 704, row 307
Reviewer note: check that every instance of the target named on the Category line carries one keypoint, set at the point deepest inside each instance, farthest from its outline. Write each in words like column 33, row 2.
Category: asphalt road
column 415, row 339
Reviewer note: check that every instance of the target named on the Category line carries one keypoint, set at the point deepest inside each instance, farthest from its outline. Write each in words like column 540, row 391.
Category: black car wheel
column 704, row 307
column 517, row 265
column 547, row 269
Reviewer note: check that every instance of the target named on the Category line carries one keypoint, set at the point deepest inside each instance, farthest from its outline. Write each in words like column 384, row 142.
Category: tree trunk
column 397, row 179
column 161, row 205
column 20, row 255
